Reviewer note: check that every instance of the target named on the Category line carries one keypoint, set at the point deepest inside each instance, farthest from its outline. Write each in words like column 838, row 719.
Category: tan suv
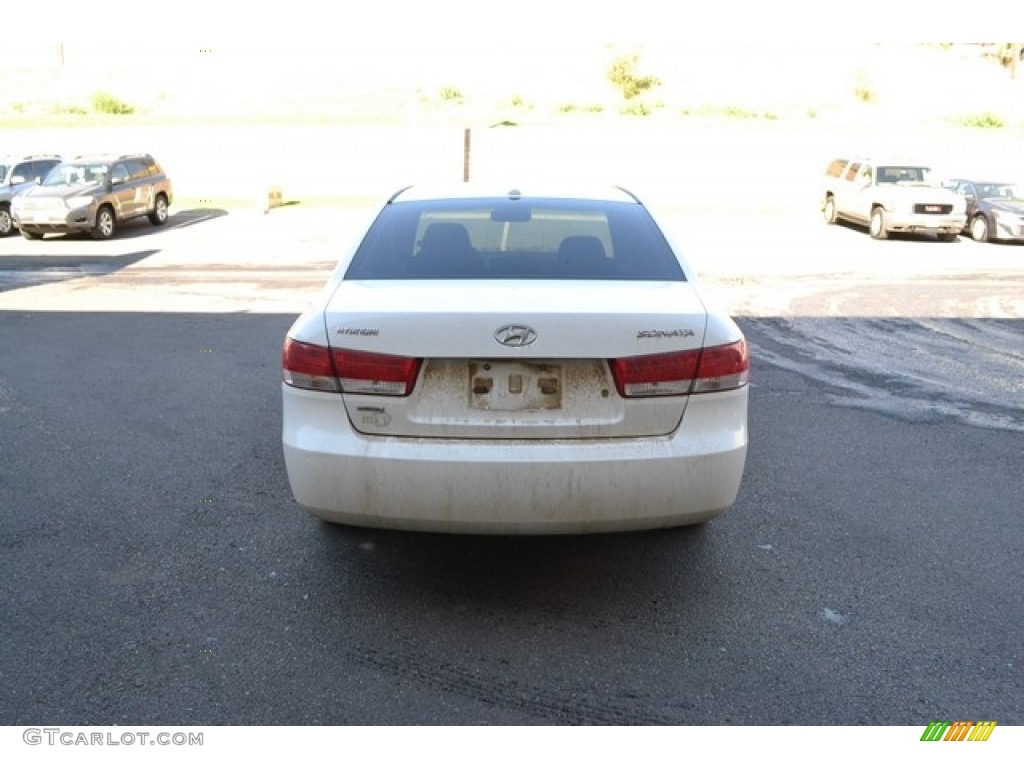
column 94, row 194
column 891, row 197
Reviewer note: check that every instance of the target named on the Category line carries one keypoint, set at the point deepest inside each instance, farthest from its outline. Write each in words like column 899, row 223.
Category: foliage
column 983, row 120
column 1007, row 53
column 451, row 93
column 109, row 104
column 636, row 108
column 623, row 75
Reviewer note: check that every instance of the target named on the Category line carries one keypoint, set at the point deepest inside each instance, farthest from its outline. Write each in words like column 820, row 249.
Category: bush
column 732, row 111
column 636, row 108
column 451, row 93
column 864, row 93
column 623, row 75
column 109, row 104
column 983, row 120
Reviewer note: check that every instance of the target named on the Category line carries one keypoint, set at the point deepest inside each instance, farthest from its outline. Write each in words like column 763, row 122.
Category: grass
column 211, row 90
column 250, row 203
column 982, row 120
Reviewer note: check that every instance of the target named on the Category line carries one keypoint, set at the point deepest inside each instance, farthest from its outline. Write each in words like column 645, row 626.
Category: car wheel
column 159, row 214
column 979, row 229
column 830, row 211
column 6, row 222
column 105, row 223
column 31, row 235
column 877, row 226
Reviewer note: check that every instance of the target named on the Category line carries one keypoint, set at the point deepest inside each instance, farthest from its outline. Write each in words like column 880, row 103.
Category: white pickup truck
column 891, row 197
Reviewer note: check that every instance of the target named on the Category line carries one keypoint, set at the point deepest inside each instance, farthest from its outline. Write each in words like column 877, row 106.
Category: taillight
column 655, row 375
column 714, row 369
column 369, row 373
column 722, row 368
column 310, row 366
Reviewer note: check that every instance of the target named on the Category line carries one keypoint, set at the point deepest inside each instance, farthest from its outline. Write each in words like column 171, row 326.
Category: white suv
column 16, row 175
column 891, row 197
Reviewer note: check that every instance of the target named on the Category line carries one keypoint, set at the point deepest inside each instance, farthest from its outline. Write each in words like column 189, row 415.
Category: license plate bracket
column 514, row 385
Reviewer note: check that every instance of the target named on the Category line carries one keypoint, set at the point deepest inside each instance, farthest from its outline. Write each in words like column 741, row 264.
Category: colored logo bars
column 961, row 730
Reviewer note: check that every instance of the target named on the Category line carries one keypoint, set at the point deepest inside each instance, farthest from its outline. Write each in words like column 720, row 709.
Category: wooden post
column 465, row 155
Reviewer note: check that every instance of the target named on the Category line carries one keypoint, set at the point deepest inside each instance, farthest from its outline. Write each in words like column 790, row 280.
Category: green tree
column 623, row 74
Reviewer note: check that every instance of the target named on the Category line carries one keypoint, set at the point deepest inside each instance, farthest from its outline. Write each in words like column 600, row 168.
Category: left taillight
column 311, row 366
column 308, row 366
column 711, row 369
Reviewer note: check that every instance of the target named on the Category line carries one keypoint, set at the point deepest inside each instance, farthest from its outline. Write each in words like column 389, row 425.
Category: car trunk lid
column 505, row 359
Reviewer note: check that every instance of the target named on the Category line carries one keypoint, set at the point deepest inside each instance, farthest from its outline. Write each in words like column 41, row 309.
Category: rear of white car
column 514, row 364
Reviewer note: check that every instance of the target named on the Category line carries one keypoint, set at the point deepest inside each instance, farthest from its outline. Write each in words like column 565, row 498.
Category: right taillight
column 721, row 368
column 713, row 369
column 311, row 366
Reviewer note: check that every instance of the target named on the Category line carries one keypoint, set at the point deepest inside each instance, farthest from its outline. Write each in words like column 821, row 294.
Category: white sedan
column 506, row 362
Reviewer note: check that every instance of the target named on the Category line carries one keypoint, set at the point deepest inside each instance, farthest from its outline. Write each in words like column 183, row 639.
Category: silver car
column 17, row 174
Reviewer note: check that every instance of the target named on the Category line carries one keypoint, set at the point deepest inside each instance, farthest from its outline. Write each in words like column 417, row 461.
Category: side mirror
column 116, row 181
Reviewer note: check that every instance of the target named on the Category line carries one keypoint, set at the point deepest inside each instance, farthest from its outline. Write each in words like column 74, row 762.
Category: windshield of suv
column 76, row 174
column 904, row 174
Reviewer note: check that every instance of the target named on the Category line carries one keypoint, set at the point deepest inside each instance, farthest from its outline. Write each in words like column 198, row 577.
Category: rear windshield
column 536, row 239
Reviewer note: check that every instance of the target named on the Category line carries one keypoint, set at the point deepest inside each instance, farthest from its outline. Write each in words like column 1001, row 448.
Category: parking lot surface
column 156, row 569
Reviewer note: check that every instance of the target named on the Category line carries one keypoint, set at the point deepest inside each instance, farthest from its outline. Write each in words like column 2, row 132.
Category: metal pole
column 465, row 155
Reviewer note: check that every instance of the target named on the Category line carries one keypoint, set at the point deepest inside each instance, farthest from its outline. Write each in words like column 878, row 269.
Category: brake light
column 724, row 367
column 308, row 366
column 655, row 375
column 311, row 366
column 370, row 373
column 714, row 369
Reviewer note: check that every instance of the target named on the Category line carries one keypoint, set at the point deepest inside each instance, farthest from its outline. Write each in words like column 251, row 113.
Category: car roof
column 108, row 158
column 906, row 161
column 982, row 180
column 16, row 158
column 477, row 190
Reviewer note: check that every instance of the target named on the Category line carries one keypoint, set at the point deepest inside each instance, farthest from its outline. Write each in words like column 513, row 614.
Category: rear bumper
column 515, row 486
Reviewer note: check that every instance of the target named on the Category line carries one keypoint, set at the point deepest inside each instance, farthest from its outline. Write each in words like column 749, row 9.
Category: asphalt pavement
column 156, row 570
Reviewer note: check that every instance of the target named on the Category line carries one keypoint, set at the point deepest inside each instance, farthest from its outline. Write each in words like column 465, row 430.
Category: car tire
column 159, row 214
column 979, row 229
column 105, row 225
column 6, row 222
column 876, row 227
column 830, row 210
column 31, row 235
